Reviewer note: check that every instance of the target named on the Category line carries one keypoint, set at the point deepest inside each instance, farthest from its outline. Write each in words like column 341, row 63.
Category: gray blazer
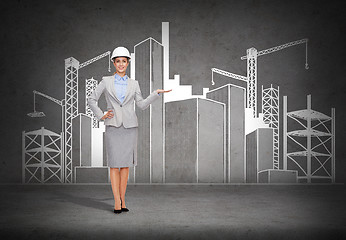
column 124, row 113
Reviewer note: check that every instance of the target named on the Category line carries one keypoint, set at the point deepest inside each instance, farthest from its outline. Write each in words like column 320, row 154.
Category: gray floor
column 174, row 212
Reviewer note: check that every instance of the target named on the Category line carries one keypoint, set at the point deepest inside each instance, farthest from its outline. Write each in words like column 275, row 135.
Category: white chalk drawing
column 61, row 103
column 72, row 67
column 240, row 157
column 315, row 158
column 234, row 97
column 251, row 122
column 42, row 157
column 270, row 109
column 251, row 57
column 181, row 92
column 90, row 86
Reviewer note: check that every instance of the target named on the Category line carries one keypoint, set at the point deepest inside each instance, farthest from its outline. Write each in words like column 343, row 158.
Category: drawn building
column 81, row 141
column 195, row 141
column 148, row 65
column 234, row 98
column 259, row 153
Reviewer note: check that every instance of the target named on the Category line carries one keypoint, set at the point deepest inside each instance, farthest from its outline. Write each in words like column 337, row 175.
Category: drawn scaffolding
column 90, row 86
column 270, row 110
column 42, row 157
column 314, row 157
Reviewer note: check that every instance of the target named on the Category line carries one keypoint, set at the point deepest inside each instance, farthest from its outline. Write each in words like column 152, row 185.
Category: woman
column 121, row 122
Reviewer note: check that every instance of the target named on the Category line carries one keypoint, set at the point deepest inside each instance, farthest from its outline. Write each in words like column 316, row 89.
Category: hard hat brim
column 120, row 56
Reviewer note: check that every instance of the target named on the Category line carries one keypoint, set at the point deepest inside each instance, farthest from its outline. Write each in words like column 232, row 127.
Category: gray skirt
column 121, row 146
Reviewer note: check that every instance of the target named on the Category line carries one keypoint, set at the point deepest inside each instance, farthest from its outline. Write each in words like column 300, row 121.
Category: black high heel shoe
column 123, row 209
column 118, row 210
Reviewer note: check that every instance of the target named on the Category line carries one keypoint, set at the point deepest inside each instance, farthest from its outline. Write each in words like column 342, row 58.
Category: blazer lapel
column 111, row 87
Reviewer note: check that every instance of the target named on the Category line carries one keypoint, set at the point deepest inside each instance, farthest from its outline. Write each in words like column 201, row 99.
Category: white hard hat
column 120, row 52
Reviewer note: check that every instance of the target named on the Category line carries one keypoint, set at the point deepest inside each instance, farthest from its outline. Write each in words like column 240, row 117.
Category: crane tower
column 71, row 105
column 251, row 56
column 270, row 110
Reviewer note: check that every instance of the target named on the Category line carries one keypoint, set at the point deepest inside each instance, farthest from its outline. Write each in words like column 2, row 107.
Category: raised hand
column 163, row 91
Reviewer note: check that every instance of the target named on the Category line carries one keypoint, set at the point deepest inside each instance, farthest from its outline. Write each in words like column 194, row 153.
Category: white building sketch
column 245, row 131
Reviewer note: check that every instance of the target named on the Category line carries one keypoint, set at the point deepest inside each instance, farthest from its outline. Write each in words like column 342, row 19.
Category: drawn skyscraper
column 149, row 74
column 195, row 141
column 234, row 98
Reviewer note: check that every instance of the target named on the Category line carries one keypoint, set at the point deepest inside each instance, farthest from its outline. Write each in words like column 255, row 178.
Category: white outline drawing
column 72, row 67
column 90, row 86
column 42, row 156
column 270, row 110
column 320, row 153
column 268, row 118
column 251, row 57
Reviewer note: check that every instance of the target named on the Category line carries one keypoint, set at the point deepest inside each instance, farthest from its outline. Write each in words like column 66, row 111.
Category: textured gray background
column 38, row 35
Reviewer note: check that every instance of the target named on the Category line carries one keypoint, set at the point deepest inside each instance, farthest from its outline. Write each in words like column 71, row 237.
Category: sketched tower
column 71, row 110
column 270, row 109
column 90, row 86
column 312, row 143
column 42, row 156
column 148, row 66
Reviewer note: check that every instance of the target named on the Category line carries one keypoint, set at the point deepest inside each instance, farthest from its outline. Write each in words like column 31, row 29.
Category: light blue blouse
column 120, row 86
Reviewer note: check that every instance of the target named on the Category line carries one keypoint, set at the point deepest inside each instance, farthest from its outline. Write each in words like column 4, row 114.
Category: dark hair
column 128, row 59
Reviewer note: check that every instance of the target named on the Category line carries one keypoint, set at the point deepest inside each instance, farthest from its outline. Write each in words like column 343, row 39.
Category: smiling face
column 120, row 64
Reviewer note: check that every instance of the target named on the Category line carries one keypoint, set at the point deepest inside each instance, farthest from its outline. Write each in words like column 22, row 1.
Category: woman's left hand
column 163, row 91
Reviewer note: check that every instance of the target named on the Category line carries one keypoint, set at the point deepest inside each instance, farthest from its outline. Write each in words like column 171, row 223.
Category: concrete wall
column 194, row 147
column 210, row 34
column 91, row 174
column 234, row 98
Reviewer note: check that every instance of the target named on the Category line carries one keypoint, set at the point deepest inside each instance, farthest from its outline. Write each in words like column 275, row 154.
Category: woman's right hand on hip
column 109, row 114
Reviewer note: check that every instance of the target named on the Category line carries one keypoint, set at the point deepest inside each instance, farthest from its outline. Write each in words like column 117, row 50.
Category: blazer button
column 121, row 105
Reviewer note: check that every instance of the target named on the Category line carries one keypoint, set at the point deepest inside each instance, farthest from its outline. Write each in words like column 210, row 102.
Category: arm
column 94, row 97
column 144, row 103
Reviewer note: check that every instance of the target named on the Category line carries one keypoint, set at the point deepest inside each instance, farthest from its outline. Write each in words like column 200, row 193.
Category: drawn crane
column 70, row 106
column 251, row 57
column 227, row 74
column 71, row 99
column 251, row 80
column 41, row 114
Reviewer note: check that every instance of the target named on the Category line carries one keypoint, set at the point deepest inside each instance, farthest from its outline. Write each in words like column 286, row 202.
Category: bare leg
column 124, row 175
column 115, row 181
